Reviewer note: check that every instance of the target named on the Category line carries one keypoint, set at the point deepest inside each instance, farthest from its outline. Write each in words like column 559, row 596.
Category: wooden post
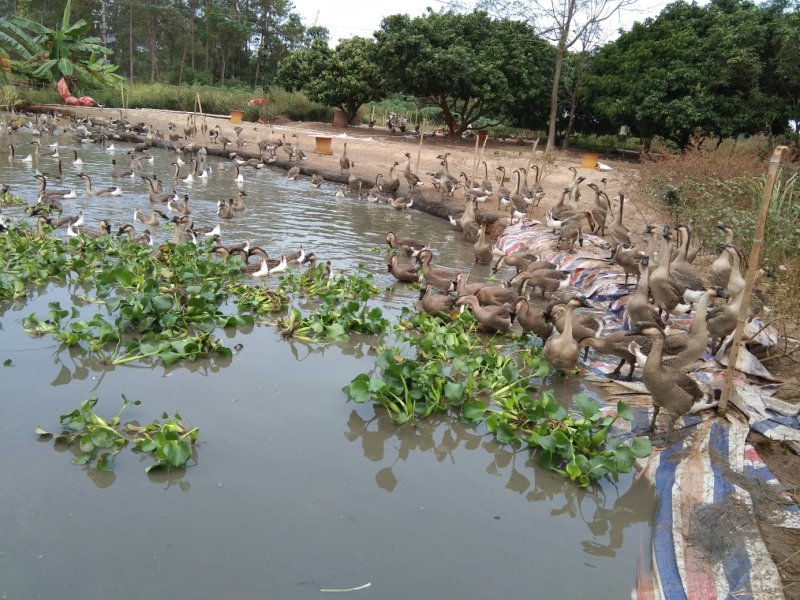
column 419, row 150
column 475, row 158
column 755, row 252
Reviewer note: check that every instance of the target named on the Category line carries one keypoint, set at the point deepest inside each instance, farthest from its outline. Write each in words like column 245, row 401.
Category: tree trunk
column 192, row 11
column 561, row 52
column 151, row 30
column 183, row 64
column 130, row 42
column 573, row 105
column 551, row 131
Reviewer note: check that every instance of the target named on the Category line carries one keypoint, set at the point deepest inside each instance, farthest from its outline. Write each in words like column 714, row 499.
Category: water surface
column 294, row 488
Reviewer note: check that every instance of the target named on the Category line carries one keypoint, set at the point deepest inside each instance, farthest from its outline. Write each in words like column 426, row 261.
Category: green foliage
column 575, row 444
column 163, row 309
column 69, row 53
column 9, row 199
column 99, row 440
column 467, row 64
column 437, row 365
column 341, row 306
column 346, row 77
column 694, row 68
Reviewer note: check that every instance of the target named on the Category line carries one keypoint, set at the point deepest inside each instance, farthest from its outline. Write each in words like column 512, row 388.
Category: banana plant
column 67, row 52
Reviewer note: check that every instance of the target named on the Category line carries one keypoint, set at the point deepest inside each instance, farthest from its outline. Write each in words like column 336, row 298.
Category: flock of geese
column 667, row 281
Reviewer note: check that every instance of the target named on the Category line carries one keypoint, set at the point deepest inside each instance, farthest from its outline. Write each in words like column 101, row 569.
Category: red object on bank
column 71, row 100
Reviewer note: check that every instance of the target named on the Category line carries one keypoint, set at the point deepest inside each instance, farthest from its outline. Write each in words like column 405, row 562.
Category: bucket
column 237, row 116
column 589, row 160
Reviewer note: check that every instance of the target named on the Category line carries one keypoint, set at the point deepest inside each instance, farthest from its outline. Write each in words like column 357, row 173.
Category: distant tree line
column 728, row 68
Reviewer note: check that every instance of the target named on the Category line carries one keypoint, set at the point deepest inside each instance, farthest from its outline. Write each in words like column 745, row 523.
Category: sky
column 363, row 17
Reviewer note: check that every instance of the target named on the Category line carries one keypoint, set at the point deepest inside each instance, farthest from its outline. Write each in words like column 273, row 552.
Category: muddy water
column 294, row 488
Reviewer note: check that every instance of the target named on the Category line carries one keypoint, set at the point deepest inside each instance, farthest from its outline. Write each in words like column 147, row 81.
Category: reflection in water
column 171, row 478
column 101, row 479
column 282, row 505
column 625, row 512
column 381, row 441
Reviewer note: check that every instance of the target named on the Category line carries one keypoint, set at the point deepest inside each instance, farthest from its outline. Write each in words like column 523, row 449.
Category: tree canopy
column 469, row 65
column 346, row 77
column 692, row 69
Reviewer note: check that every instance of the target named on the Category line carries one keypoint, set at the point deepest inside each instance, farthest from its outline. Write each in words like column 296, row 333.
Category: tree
column 346, row 77
column 68, row 53
column 783, row 67
column 469, row 65
column 563, row 22
column 691, row 69
column 14, row 42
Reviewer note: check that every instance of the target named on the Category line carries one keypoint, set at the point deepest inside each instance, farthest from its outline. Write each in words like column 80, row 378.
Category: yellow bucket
column 236, row 116
column 589, row 160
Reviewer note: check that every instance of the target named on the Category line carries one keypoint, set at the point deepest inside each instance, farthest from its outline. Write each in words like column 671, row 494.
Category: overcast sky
column 363, row 17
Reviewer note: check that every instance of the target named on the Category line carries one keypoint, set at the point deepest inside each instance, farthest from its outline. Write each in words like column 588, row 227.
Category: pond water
column 294, row 488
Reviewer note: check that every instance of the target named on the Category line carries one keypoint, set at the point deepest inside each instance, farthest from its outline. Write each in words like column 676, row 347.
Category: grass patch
column 704, row 186
column 279, row 104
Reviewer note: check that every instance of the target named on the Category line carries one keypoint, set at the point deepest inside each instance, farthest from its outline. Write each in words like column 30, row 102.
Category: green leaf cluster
column 67, row 51
column 166, row 309
column 718, row 70
column 340, row 306
column 436, row 365
column 99, row 441
column 346, row 77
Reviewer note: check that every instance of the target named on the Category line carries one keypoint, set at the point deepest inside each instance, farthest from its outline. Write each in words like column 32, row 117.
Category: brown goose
column 443, row 279
column 532, row 319
column 411, row 178
column 600, row 209
column 391, row 187
column 113, row 190
column 618, row 231
column 735, row 284
column 409, row 246
column 483, row 249
column 638, row 309
column 686, row 274
column 667, row 294
column 543, row 280
column 496, row 295
column 267, row 265
column 670, row 388
column 629, row 260
column 464, row 288
column 153, row 219
column 494, row 318
column 561, row 350
column 721, row 267
column 434, row 303
column 696, row 341
column 401, row 272
column 344, row 162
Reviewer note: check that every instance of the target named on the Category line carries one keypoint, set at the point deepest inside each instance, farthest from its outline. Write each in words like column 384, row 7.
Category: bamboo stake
column 758, row 240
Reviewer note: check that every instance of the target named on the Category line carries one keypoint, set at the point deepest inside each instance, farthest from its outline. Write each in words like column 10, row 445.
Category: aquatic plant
column 100, row 440
column 340, row 305
column 165, row 305
column 437, row 365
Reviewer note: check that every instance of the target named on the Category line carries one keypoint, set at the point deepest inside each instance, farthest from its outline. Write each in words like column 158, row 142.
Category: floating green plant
column 99, row 440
